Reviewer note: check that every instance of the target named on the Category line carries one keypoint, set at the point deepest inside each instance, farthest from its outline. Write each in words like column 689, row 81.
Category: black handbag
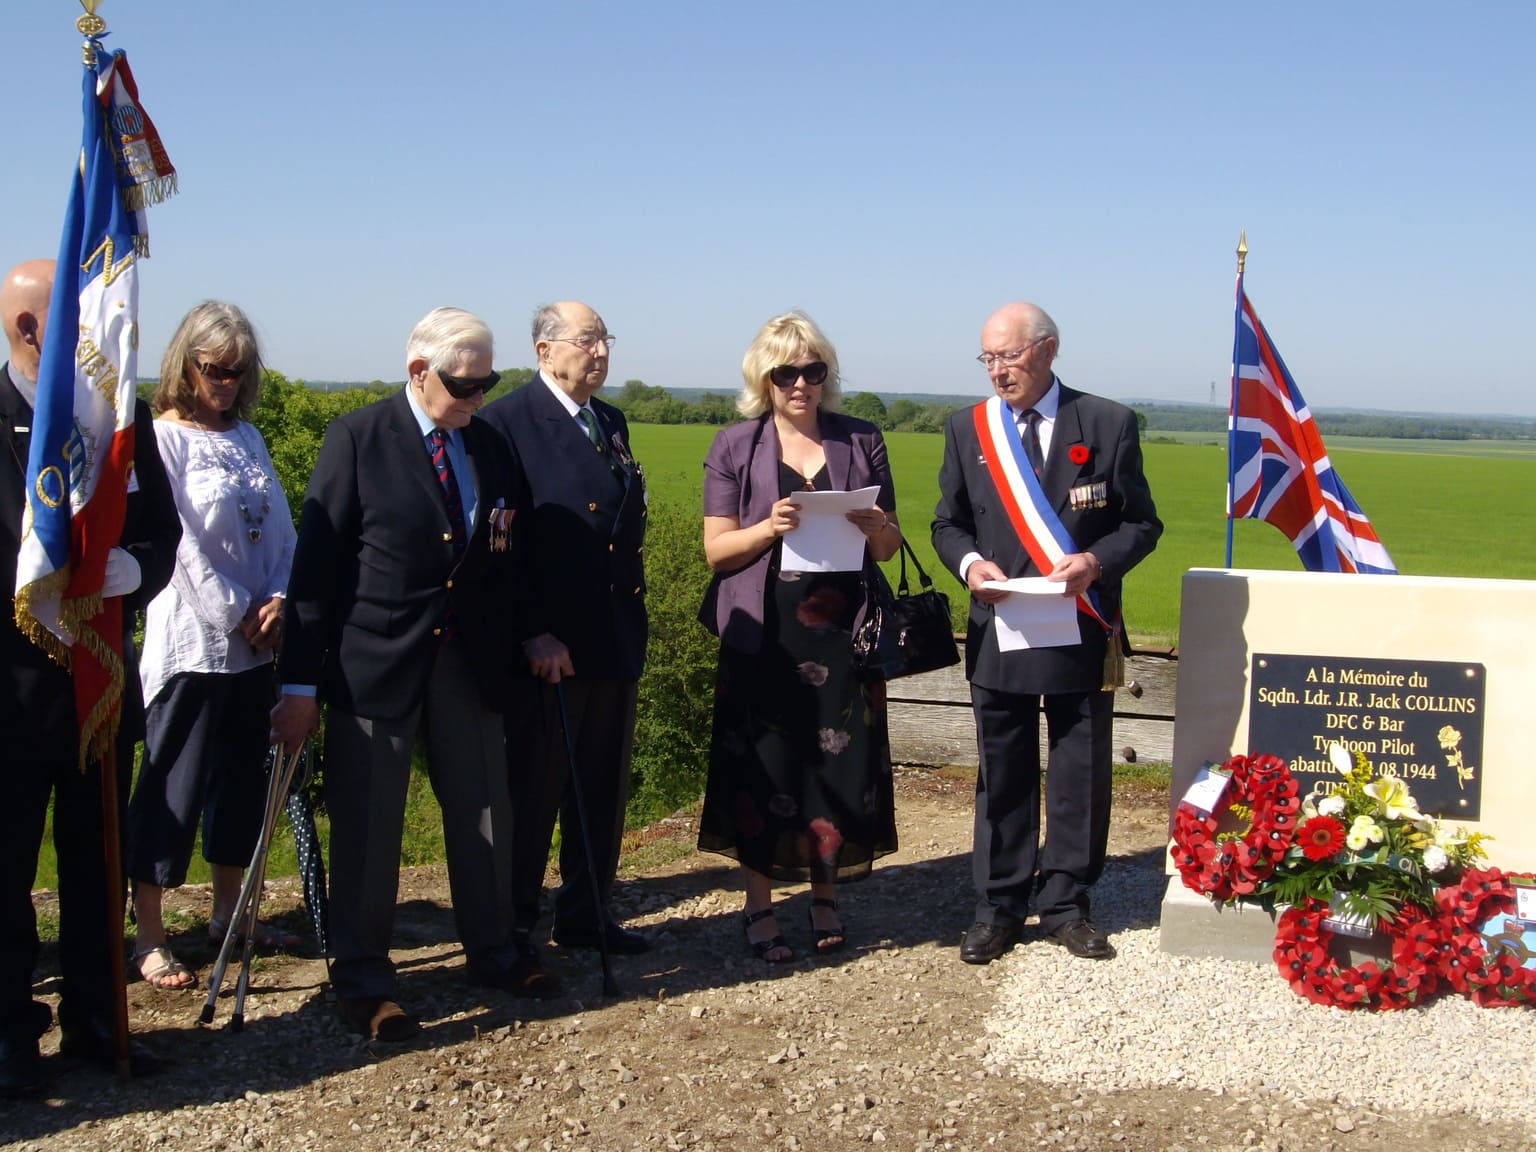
column 902, row 634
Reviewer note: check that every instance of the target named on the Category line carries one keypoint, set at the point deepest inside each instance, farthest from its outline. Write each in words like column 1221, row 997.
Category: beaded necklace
column 238, row 463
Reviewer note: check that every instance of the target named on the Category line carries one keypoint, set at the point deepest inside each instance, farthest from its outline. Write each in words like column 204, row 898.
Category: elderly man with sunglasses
column 588, row 580
column 411, row 544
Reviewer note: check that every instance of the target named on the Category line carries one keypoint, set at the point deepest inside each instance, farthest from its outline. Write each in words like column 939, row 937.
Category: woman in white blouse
column 210, row 636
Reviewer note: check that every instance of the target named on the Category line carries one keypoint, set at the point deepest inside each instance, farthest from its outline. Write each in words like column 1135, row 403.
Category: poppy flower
column 1320, row 837
column 1078, row 454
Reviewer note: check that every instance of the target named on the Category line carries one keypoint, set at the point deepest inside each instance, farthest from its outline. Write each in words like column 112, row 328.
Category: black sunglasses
column 785, row 375
column 463, row 387
column 211, row 371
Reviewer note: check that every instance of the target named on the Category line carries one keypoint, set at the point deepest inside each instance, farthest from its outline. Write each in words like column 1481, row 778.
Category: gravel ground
column 1224, row 1026
column 893, row 1042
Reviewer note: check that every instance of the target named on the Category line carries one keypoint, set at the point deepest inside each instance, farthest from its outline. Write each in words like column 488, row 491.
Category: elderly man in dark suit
column 588, row 579
column 1093, row 521
column 37, row 715
column 410, row 540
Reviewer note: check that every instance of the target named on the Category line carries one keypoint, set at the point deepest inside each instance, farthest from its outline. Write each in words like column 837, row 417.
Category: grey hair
column 444, row 335
column 547, row 323
column 1042, row 326
column 216, row 331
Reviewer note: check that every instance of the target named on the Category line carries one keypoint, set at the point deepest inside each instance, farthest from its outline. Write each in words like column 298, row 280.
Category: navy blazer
column 741, row 479
column 970, row 518
column 374, row 574
column 586, row 532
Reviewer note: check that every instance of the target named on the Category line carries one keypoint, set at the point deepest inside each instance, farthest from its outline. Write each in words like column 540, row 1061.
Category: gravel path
column 893, row 1043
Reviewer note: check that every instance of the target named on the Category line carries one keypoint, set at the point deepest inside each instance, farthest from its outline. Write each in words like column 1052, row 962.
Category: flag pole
column 1237, row 335
column 92, row 26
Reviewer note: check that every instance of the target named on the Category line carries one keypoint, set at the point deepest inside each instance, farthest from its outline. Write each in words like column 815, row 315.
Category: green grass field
column 1440, row 510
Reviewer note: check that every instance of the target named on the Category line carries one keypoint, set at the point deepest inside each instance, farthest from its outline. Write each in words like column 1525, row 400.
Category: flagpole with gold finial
column 1237, row 338
column 92, row 26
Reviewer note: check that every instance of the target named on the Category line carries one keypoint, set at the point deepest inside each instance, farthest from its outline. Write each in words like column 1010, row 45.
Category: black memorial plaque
column 1418, row 720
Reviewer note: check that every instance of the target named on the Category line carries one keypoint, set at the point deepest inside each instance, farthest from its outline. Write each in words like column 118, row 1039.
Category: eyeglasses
column 587, row 343
column 223, row 375
column 463, row 387
column 988, row 359
column 786, row 375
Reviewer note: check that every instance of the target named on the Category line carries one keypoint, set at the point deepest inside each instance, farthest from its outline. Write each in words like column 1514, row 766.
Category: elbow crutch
column 242, row 924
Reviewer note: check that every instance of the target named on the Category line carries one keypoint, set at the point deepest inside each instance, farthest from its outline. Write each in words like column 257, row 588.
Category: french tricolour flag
column 1280, row 471
column 82, row 427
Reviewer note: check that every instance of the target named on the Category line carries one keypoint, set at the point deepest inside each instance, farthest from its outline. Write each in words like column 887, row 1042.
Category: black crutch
column 610, row 986
column 248, row 906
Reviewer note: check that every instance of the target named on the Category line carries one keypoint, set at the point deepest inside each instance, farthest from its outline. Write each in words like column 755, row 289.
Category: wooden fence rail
column 930, row 715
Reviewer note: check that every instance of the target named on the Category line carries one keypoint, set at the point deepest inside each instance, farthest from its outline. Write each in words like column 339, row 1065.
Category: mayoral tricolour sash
column 1038, row 527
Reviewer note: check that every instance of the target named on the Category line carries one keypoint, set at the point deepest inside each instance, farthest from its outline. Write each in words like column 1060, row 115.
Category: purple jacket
column 741, row 479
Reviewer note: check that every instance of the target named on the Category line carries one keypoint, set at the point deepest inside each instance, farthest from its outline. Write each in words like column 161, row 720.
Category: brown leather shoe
column 377, row 1018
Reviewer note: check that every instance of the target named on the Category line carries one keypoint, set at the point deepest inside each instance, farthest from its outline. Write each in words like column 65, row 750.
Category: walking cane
column 247, row 907
column 610, row 986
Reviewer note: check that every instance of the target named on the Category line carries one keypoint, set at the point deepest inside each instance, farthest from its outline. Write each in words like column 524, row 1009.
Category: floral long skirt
column 800, row 761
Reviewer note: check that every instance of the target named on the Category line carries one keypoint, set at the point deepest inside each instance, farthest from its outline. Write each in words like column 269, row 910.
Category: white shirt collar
column 566, row 402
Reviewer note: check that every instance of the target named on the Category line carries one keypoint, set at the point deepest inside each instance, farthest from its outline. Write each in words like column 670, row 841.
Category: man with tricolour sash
column 1038, row 481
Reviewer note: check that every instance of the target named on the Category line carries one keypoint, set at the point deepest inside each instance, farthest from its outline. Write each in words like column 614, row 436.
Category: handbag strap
column 922, row 577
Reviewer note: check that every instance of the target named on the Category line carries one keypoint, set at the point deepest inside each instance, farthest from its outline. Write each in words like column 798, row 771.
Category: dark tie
column 588, row 420
column 437, row 443
column 1032, row 440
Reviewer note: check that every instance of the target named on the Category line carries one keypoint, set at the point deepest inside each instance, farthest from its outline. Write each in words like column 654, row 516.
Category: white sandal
column 165, row 966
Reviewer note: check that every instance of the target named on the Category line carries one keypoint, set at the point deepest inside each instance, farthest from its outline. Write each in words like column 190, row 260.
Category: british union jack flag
column 1279, row 469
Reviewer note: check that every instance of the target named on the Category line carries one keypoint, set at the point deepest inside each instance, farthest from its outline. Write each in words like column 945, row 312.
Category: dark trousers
column 367, row 772
column 1012, row 871
column 205, row 753
column 85, row 903
column 602, row 720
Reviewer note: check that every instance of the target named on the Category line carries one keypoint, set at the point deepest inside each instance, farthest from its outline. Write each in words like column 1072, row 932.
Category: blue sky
column 896, row 169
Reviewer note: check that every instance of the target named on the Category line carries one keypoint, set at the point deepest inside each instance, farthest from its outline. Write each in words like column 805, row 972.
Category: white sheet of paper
column 1205, row 793
column 825, row 541
column 1035, row 614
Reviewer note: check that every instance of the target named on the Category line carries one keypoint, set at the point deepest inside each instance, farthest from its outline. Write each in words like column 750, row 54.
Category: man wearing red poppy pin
column 1041, row 480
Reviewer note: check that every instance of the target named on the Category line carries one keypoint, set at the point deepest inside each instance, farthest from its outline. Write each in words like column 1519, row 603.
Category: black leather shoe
column 21, row 1068
column 526, row 978
column 93, row 1041
column 1081, row 938
column 378, row 1018
column 621, row 941
column 984, row 943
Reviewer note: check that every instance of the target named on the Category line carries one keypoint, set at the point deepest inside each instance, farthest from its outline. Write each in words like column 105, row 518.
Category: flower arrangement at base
column 1302, row 953
column 1364, row 848
column 1496, row 976
column 1262, row 792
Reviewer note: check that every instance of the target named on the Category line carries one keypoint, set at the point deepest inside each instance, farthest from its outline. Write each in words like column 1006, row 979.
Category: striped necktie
column 437, row 444
column 1032, row 440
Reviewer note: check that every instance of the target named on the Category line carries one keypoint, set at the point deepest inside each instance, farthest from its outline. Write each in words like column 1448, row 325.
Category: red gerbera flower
column 1320, row 837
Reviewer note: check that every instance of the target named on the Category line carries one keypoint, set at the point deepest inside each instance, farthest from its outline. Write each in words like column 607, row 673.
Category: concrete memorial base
column 1430, row 678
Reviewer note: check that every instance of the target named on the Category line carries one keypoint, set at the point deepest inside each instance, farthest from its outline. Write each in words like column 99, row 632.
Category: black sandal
column 824, row 940
column 774, row 943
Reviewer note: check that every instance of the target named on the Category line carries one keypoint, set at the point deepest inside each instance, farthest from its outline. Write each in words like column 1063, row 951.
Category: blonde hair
column 213, row 330
column 783, row 340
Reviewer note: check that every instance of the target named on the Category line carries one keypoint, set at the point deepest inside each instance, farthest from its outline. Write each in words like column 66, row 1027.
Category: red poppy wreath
column 1475, row 913
column 1302, row 955
column 1224, row 867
